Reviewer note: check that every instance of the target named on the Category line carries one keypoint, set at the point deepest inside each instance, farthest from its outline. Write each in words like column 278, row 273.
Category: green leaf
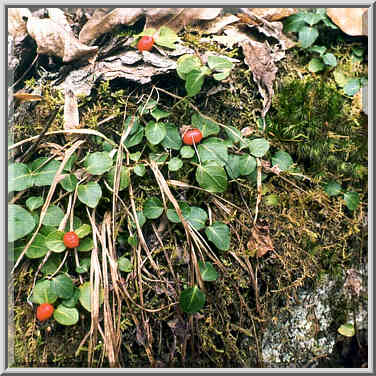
column 197, row 218
column 63, row 286
column 147, row 107
column 124, row 177
column 68, row 166
column 312, row 18
column 155, row 132
column 132, row 240
column 212, row 177
column 219, row 234
column 84, row 267
column 175, row 164
column 141, row 219
column 89, row 194
column 86, row 245
column 98, row 163
column 34, row 202
column 208, row 272
column 51, row 264
column 54, row 241
column 54, row 215
column 221, row 76
column 233, row 166
column 72, row 301
column 135, row 156
column 319, row 49
column 46, row 174
column 316, row 65
column 136, row 138
column 340, row 78
column 351, row 200
column 139, row 170
column 283, row 160
column 83, row 230
column 69, row 183
column 192, row 300
column 213, row 149
column 332, row 188
column 307, row 36
column 219, row 63
column 85, row 299
column 329, row 23
column 187, row 152
column 330, row 59
column 235, row 135
column 272, row 200
column 76, row 224
column 153, row 208
column 65, row 315
column 166, row 37
column 352, row 86
column 20, row 222
column 194, row 81
column 37, row 248
column 186, row 64
column 173, row 216
column 347, row 330
column 43, row 293
column 358, row 51
column 206, row 126
column 19, row 177
column 259, row 147
column 172, row 139
column 125, row 264
column 158, row 157
column 247, row 164
column 158, row 114
column 294, row 23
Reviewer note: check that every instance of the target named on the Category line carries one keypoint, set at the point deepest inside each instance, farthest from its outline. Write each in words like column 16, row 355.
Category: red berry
column 44, row 311
column 71, row 240
column 191, row 136
column 145, row 43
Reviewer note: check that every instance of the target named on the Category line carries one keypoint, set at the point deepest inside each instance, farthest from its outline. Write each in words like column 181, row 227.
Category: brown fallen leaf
column 176, row 19
column 217, row 24
column 26, row 97
column 71, row 115
column 16, row 23
column 260, row 241
column 352, row 21
column 353, row 282
column 273, row 14
column 104, row 20
column 53, row 39
column 258, row 56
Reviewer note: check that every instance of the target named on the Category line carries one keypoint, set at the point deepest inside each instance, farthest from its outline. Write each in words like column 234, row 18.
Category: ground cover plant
column 174, row 186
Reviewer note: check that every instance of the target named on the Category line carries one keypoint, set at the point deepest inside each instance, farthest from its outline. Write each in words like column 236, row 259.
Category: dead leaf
column 53, row 39
column 104, row 21
column 71, row 115
column 247, row 131
column 174, row 18
column 258, row 56
column 273, row 14
column 26, row 97
column 16, row 24
column 260, row 240
column 217, row 24
column 58, row 16
column 352, row 21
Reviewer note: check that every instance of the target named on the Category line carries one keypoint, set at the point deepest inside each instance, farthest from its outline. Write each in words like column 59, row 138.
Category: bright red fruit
column 71, row 240
column 45, row 311
column 191, row 136
column 145, row 43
